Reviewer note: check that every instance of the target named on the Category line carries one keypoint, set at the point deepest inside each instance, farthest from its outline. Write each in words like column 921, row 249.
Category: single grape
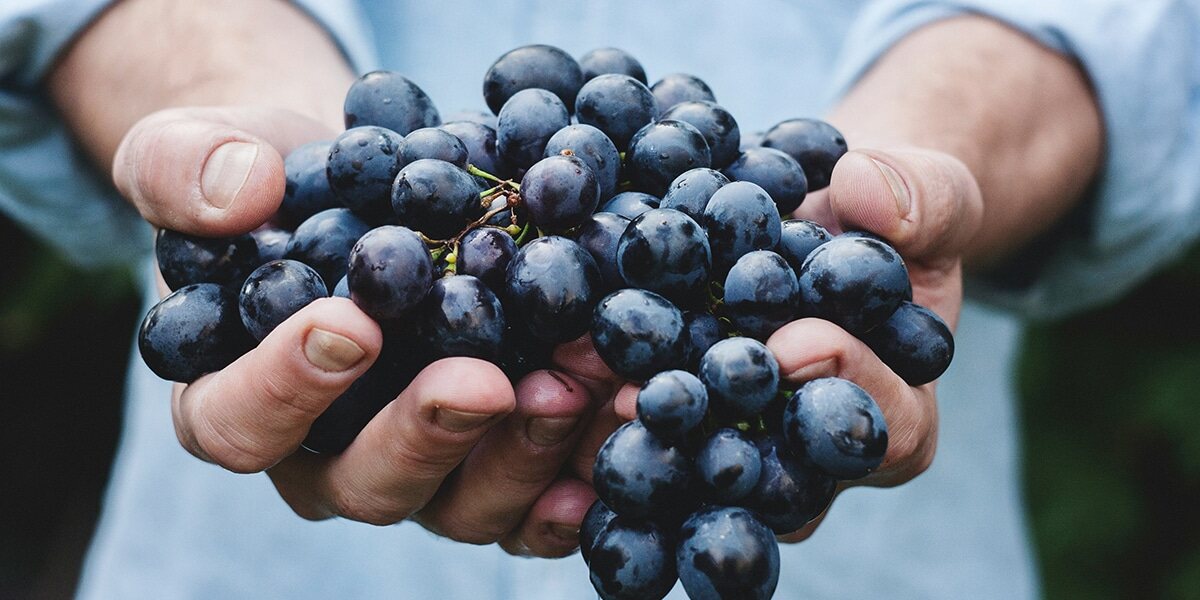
column 662, row 151
column 324, row 240
column 559, row 192
column 389, row 100
column 535, row 66
column 666, row 252
column 789, row 492
column 306, row 190
column 193, row 331
column 741, row 376
column 630, row 204
column 836, row 425
column 671, row 404
column 342, row 289
column 480, row 142
column 597, row 518
column 527, row 122
column 481, row 117
column 777, row 173
column 551, row 287
column 728, row 465
column 914, row 342
column 186, row 259
column 638, row 475
column 602, row 61
column 761, row 294
column 680, row 87
column 716, row 124
column 390, row 272
column 485, row 253
column 690, row 192
column 274, row 292
column 599, row 235
column 727, row 554
column 855, row 282
column 592, row 147
column 618, row 105
column 798, row 239
column 815, row 144
column 436, row 198
column 632, row 559
column 704, row 330
column 639, row 333
column 433, row 142
column 361, row 167
column 271, row 242
column 462, row 317
column 739, row 218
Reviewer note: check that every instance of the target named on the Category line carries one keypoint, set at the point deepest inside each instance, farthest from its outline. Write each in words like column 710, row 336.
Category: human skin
column 969, row 139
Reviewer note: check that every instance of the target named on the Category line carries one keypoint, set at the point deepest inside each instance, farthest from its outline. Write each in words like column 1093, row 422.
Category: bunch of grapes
column 590, row 203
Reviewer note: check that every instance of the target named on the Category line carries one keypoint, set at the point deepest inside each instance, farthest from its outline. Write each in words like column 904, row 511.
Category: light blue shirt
column 174, row 527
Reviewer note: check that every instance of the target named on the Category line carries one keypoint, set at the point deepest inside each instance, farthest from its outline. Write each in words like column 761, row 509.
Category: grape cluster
column 590, row 203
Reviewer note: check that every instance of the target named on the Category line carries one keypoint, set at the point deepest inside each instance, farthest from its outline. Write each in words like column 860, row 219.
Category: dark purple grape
column 480, row 142
column 666, row 252
column 836, row 425
column 186, row 259
column 342, row 289
column 914, row 342
column 389, row 100
column 662, row 151
column 466, row 115
column 690, row 192
column 522, row 353
column 618, row 105
column 485, row 253
column 671, row 404
column 739, row 218
column 789, row 492
column 551, row 287
column 716, row 124
column 727, row 553
column 462, row 317
column 638, row 475
column 390, row 272
column 271, row 242
column 274, row 292
column 741, row 376
column 350, row 412
column 761, row 294
column 603, row 61
column 855, row 282
column 435, row 143
column 306, row 190
column 535, row 66
column 777, row 173
column 815, row 144
column 362, row 165
column 630, row 204
column 527, row 122
column 639, row 333
column 592, row 147
column 632, row 560
column 193, row 331
column 798, row 239
column 680, row 87
column 597, row 518
column 599, row 236
column 728, row 466
column 704, row 330
column 559, row 192
column 324, row 240
column 436, row 198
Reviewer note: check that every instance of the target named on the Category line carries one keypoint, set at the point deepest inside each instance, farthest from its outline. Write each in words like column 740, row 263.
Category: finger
column 551, row 529
column 812, row 348
column 257, row 410
column 210, row 171
column 579, row 358
column 401, row 457
column 513, row 464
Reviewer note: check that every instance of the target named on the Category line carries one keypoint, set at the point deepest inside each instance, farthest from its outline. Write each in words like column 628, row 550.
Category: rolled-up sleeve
column 1143, row 60
column 46, row 183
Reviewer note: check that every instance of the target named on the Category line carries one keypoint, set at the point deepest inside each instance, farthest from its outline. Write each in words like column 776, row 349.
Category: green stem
column 524, row 234
column 476, row 171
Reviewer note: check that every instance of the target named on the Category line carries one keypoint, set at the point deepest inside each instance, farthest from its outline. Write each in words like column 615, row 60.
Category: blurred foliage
column 1111, row 410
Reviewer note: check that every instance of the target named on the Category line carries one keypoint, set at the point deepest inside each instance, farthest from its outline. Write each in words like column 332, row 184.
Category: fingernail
column 824, row 368
column 458, row 421
column 899, row 190
column 330, row 351
column 548, row 431
column 226, row 171
column 566, row 532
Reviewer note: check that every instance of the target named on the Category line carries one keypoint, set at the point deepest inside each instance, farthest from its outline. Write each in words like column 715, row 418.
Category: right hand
column 460, row 450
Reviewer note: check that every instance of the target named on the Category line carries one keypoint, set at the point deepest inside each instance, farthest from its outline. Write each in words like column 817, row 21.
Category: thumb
column 210, row 171
column 925, row 203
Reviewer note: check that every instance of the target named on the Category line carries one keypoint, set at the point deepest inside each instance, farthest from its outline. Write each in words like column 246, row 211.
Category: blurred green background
column 1111, row 405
